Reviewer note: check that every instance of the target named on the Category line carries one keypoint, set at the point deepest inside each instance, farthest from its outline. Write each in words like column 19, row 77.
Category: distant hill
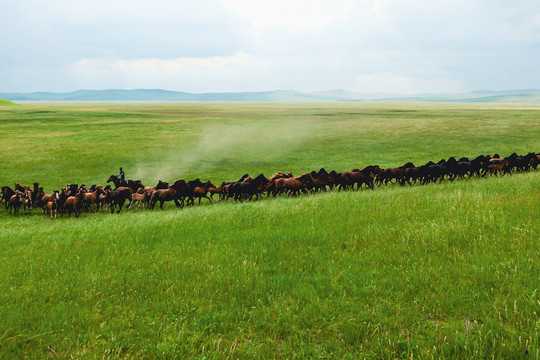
column 510, row 96
column 6, row 103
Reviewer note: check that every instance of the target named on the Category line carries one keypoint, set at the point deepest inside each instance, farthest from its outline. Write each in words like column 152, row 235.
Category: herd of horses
column 75, row 198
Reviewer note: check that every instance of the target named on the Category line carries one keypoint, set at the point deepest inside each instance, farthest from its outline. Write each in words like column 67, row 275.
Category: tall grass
column 440, row 271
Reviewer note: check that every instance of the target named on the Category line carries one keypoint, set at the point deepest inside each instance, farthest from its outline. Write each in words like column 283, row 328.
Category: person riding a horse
column 121, row 175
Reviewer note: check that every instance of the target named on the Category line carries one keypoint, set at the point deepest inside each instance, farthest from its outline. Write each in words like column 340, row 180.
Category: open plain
column 445, row 270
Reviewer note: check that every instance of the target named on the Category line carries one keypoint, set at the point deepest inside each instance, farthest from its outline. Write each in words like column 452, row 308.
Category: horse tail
column 153, row 200
column 271, row 186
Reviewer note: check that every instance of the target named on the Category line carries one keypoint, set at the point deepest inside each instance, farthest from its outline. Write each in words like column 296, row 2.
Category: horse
column 21, row 188
column 7, row 193
column 118, row 197
column 247, row 189
column 174, row 192
column 116, row 181
column 38, row 196
column 60, row 202
column 151, row 189
column 293, row 185
column 35, row 192
column 279, row 175
column 220, row 190
column 535, row 160
column 192, row 184
column 74, row 204
column 105, row 198
column 387, row 175
column 92, row 198
column 27, row 202
column 201, row 191
column 140, row 198
column 72, row 189
column 498, row 167
column 359, row 177
column 434, row 172
column 52, row 204
column 245, row 177
column 15, row 202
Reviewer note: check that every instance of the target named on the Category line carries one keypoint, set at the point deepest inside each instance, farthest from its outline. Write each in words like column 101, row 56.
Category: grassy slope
column 437, row 271
column 6, row 103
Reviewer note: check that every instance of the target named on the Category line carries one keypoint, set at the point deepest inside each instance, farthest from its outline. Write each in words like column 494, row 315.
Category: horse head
column 112, row 178
column 162, row 185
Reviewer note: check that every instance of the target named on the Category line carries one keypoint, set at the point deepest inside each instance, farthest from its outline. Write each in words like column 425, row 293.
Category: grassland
column 6, row 103
column 439, row 271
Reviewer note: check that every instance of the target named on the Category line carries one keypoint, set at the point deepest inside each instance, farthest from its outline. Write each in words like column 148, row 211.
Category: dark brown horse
column 292, row 185
column 243, row 190
column 387, row 175
column 179, row 189
column 15, row 202
column 359, row 177
column 7, row 193
column 118, row 197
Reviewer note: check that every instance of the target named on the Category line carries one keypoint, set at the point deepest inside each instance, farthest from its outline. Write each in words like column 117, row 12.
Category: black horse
column 117, row 181
column 246, row 190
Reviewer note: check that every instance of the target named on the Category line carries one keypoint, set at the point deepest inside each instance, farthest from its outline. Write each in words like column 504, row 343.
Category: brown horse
column 27, row 202
column 105, row 198
column 280, row 175
column 360, row 177
column 201, row 191
column 92, row 198
column 21, row 188
column 151, row 189
column 293, row 185
column 221, row 191
column 74, row 204
column 497, row 167
column 52, row 203
column 140, row 199
column 44, row 200
column 179, row 189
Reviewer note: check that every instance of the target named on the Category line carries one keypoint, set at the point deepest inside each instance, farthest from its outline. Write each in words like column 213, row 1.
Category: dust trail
column 219, row 145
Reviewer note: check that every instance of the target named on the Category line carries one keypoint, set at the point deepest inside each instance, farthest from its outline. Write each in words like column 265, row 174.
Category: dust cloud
column 216, row 146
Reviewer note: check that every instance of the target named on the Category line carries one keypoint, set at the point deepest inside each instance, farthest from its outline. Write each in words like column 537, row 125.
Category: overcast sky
column 392, row 46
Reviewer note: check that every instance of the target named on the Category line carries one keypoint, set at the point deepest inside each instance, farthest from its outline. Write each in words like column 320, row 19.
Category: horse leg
column 177, row 203
column 120, row 205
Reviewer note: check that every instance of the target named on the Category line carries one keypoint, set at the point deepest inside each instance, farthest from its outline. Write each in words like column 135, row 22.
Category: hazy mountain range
column 509, row 96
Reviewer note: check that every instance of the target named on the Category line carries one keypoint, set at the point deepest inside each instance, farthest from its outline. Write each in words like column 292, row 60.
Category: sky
column 368, row 46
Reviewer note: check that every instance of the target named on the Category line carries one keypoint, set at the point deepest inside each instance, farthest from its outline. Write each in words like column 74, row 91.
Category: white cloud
column 236, row 45
column 216, row 73
column 398, row 84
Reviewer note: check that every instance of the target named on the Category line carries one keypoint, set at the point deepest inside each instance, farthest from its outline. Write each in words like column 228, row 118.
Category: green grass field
column 6, row 103
column 439, row 271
